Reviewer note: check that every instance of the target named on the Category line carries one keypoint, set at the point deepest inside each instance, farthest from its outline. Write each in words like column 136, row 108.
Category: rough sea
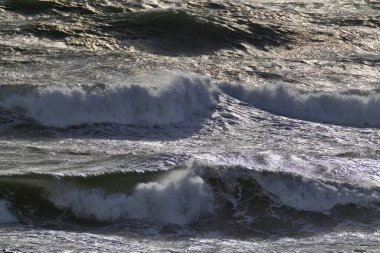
column 190, row 126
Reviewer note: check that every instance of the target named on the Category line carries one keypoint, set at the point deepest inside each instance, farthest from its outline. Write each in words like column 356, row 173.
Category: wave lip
column 331, row 108
column 173, row 99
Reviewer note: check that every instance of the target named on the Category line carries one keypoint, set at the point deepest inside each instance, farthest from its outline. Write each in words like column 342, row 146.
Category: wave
column 332, row 108
column 191, row 193
column 168, row 99
column 165, row 31
column 298, row 191
column 176, row 31
column 178, row 197
column 173, row 31
column 171, row 23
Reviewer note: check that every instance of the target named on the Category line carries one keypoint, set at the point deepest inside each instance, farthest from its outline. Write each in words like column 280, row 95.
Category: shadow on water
column 16, row 126
column 176, row 32
column 170, row 32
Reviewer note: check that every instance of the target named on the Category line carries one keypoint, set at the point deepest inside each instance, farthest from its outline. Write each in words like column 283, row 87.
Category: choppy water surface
column 189, row 126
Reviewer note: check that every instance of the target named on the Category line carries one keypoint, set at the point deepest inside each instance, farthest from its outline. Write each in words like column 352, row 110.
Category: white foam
column 314, row 194
column 295, row 182
column 180, row 198
column 333, row 108
column 184, row 196
column 5, row 215
column 169, row 99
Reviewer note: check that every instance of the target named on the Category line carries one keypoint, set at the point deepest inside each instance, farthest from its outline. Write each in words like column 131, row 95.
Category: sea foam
column 201, row 189
column 179, row 198
column 332, row 108
column 165, row 100
column 292, row 182
column 311, row 194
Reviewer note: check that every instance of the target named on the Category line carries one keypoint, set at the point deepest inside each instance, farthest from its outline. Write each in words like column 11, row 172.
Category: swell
column 174, row 98
column 190, row 30
column 168, row 23
column 173, row 32
column 194, row 194
column 161, row 31
column 332, row 108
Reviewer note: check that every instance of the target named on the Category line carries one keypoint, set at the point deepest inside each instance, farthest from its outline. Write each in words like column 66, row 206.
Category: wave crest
column 186, row 194
column 331, row 108
column 171, row 99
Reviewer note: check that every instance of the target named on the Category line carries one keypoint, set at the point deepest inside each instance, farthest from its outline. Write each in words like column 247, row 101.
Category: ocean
column 189, row 126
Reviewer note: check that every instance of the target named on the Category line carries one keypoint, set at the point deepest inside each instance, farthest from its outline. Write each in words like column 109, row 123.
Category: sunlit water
column 205, row 126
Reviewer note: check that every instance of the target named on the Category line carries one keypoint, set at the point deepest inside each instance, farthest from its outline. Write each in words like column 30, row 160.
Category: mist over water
column 191, row 126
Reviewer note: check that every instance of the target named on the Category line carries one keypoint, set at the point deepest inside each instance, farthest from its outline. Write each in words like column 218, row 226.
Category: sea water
column 189, row 126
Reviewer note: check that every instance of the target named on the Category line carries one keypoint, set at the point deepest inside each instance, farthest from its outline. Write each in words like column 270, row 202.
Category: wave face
column 331, row 108
column 198, row 192
column 175, row 98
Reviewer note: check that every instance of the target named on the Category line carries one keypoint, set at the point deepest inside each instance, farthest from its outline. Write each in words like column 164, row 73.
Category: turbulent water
column 189, row 126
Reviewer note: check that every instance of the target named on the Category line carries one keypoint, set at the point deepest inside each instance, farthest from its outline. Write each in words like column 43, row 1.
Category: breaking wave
column 166, row 100
column 178, row 199
column 332, row 108
column 191, row 193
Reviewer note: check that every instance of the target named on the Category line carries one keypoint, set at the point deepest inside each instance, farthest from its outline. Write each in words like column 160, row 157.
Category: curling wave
column 332, row 108
column 176, row 197
column 180, row 198
column 183, row 195
column 172, row 99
